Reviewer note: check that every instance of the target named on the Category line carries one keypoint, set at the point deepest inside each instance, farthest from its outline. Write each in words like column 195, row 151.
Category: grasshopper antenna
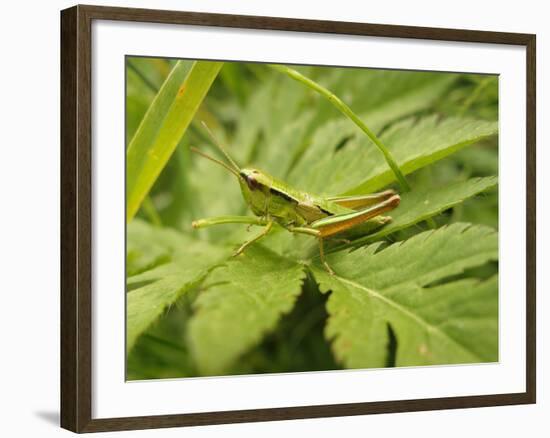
column 221, row 163
column 220, row 147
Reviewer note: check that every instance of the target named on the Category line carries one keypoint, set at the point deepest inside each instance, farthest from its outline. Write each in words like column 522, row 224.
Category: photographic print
column 297, row 218
column 292, row 218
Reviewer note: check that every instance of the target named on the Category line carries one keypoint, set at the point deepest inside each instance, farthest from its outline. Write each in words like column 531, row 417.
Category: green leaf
column 166, row 264
column 385, row 95
column 419, row 205
column 414, row 144
column 419, row 143
column 258, row 130
column 278, row 157
column 350, row 114
column 143, row 251
column 446, row 323
column 388, row 96
column 232, row 76
column 251, row 123
column 163, row 126
column 244, row 301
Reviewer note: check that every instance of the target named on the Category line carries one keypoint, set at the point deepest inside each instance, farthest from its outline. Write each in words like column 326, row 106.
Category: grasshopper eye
column 251, row 182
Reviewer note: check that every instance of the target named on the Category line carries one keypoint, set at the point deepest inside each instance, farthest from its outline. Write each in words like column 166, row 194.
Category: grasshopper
column 274, row 201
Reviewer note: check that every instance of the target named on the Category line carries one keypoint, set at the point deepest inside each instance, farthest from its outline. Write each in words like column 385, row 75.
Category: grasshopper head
column 255, row 187
column 255, row 179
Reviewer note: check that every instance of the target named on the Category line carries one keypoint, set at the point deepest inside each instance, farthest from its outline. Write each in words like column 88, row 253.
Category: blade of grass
column 475, row 94
column 347, row 111
column 150, row 210
column 163, row 127
column 142, row 76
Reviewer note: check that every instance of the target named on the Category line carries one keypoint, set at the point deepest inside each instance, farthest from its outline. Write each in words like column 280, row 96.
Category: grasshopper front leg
column 264, row 232
column 203, row 223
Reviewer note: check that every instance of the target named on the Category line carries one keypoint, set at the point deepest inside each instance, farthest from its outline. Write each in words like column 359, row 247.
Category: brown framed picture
column 268, row 218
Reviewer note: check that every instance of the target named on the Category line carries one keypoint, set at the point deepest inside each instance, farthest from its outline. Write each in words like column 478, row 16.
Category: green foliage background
column 421, row 290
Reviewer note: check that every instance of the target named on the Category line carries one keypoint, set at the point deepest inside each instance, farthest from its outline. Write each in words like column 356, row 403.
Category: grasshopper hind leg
column 322, row 256
column 317, row 234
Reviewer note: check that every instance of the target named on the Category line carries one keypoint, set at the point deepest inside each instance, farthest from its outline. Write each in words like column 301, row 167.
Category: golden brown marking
column 365, row 201
column 331, row 229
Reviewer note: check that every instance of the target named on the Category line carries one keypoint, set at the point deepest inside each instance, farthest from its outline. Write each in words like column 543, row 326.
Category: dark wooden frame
column 76, row 238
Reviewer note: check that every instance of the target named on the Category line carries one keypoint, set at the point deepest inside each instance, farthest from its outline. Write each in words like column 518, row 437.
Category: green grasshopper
column 274, row 201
